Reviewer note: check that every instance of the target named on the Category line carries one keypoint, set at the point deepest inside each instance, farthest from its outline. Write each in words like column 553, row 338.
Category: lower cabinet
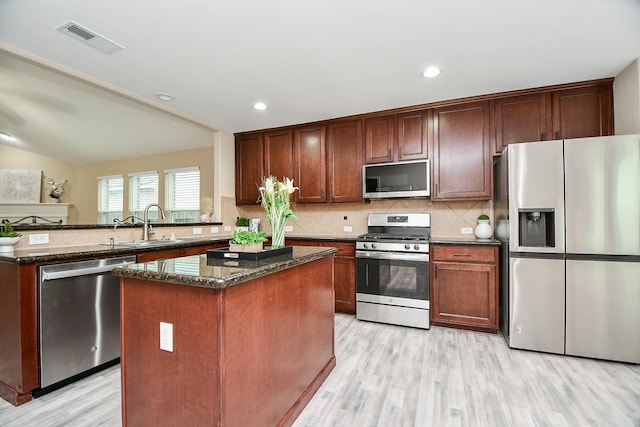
column 344, row 270
column 464, row 286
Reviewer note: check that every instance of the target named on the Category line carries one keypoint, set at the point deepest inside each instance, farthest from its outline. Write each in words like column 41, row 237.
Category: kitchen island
column 225, row 342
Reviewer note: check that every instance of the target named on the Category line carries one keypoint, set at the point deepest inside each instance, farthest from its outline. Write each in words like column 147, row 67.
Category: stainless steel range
column 392, row 270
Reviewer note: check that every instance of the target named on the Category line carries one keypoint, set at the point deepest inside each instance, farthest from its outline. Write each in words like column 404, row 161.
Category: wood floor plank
column 395, row 376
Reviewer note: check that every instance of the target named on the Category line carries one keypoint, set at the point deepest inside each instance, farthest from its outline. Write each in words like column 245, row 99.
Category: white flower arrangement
column 274, row 198
column 55, row 188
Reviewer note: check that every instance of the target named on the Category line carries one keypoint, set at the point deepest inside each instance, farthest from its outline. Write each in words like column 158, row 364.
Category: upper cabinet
column 564, row 113
column 278, row 153
column 459, row 136
column 396, row 137
column 249, row 168
column 344, row 161
column 583, row 112
column 461, row 152
column 520, row 119
column 309, row 164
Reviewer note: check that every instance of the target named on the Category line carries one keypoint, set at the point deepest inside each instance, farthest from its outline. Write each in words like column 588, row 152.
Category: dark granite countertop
column 463, row 241
column 201, row 271
column 65, row 253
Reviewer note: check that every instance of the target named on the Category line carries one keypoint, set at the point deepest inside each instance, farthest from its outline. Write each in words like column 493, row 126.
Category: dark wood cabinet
column 520, row 119
column 582, row 112
column 397, row 137
column 413, row 131
column 462, row 163
column 464, row 286
column 565, row 113
column 310, row 164
column 344, row 271
column 344, row 161
column 278, row 154
column 249, row 168
column 380, row 139
column 459, row 136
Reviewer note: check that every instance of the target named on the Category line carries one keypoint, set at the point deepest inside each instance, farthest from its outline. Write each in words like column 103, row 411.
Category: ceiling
column 307, row 60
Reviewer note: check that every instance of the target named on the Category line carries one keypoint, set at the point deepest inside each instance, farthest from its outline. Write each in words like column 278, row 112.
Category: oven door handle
column 401, row 256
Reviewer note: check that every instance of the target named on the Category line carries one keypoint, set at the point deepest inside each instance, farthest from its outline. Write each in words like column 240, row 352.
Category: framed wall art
column 20, row 186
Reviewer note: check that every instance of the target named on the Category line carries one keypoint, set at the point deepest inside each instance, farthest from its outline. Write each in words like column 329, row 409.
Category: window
column 143, row 190
column 182, row 194
column 110, row 198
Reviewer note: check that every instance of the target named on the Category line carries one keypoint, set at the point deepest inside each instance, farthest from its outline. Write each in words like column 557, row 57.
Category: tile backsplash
column 447, row 218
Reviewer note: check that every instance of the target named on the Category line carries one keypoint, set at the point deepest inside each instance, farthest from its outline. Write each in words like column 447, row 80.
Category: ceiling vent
column 89, row 37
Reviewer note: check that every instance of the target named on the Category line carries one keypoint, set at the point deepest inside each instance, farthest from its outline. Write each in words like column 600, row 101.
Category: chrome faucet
column 147, row 226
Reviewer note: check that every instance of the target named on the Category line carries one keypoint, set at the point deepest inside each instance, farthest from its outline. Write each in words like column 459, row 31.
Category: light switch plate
column 166, row 336
column 227, row 228
column 39, row 239
column 466, row 230
column 197, row 230
column 214, row 229
column 347, row 229
column 288, row 228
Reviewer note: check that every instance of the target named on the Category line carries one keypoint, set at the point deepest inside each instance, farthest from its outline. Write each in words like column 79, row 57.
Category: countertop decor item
column 275, row 200
column 8, row 237
column 247, row 241
column 55, row 189
column 483, row 229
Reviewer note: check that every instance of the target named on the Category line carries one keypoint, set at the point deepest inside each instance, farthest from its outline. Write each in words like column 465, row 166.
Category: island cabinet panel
column 413, row 131
column 583, row 112
column 249, row 168
column 310, row 164
column 464, row 286
column 18, row 332
column 521, row 119
column 160, row 255
column 380, row 139
column 462, row 162
column 344, row 161
column 344, row 272
column 278, row 154
column 252, row 354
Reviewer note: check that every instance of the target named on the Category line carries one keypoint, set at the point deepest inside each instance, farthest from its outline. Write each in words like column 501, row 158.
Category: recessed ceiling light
column 164, row 97
column 6, row 137
column 260, row 106
column 431, row 72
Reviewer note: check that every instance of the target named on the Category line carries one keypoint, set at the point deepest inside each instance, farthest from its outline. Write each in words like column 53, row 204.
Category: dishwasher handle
column 53, row 275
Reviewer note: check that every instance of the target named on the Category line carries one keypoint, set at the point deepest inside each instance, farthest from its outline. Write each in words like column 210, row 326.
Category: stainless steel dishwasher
column 79, row 317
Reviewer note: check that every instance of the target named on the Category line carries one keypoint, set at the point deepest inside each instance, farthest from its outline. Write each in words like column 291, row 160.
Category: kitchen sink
column 148, row 243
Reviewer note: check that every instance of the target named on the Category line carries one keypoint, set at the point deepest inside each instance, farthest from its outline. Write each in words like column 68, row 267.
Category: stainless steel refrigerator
column 570, row 282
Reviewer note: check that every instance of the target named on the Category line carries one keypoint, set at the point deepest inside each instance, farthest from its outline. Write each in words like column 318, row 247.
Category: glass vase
column 277, row 231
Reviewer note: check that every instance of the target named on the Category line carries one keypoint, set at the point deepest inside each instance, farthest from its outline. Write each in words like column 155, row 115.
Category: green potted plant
column 247, row 241
column 8, row 237
column 242, row 224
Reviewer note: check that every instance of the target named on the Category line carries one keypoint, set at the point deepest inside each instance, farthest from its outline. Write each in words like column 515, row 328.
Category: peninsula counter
column 251, row 343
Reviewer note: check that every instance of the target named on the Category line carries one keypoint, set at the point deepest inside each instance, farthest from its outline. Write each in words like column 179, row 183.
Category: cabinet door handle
column 558, row 135
column 401, row 152
column 389, row 154
column 461, row 254
column 542, row 136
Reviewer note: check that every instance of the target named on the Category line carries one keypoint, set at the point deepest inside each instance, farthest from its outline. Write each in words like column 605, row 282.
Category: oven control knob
column 373, row 246
column 365, row 245
column 407, row 247
column 416, row 247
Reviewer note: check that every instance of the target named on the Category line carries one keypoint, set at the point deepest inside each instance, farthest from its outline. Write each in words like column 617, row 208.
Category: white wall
column 626, row 100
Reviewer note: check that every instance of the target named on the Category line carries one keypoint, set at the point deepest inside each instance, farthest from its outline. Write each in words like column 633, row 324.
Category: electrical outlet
column 227, row 228
column 288, row 228
column 166, row 336
column 197, row 230
column 466, row 230
column 39, row 239
column 214, row 229
column 347, row 229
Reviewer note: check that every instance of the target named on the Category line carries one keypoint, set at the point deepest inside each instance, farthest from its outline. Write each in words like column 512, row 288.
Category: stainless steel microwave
column 398, row 179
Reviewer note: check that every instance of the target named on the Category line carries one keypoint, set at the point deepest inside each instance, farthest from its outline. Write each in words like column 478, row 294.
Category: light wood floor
column 395, row 376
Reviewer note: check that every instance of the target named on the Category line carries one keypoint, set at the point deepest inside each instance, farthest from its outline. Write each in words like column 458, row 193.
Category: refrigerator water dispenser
column 536, row 227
